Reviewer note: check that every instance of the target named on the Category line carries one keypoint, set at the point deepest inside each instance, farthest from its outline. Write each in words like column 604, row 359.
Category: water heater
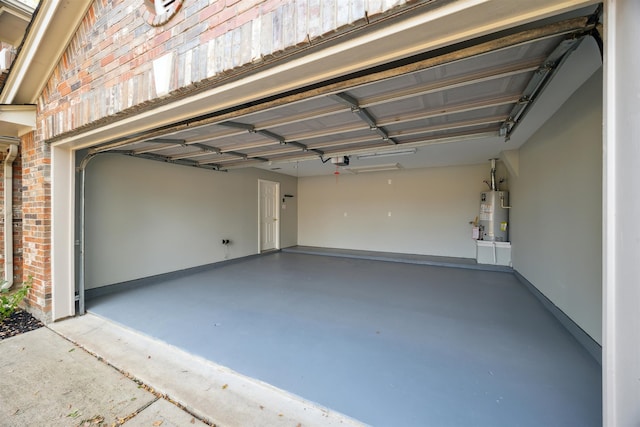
column 493, row 221
column 494, row 216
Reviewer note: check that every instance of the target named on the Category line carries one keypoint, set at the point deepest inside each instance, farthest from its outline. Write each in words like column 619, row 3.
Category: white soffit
column 17, row 120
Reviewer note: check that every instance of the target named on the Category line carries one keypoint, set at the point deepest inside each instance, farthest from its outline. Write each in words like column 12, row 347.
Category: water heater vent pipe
column 494, row 184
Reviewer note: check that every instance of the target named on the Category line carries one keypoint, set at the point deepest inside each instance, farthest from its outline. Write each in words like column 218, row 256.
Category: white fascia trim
column 62, row 233
column 32, row 41
column 51, row 30
column 610, row 222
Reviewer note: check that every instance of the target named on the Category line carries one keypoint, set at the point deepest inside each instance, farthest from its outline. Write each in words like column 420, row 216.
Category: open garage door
column 480, row 90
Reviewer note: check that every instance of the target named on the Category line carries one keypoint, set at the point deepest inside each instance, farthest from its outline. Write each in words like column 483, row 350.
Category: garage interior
column 391, row 160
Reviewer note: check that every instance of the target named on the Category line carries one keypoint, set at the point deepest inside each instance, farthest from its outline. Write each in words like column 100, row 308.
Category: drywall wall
column 146, row 218
column 621, row 346
column 556, row 219
column 417, row 211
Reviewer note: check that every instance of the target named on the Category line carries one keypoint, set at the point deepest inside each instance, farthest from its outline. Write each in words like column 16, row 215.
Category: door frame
column 277, row 204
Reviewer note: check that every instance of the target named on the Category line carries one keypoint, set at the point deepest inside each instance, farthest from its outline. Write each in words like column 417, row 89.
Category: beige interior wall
column 417, row 211
column 146, row 218
column 556, row 219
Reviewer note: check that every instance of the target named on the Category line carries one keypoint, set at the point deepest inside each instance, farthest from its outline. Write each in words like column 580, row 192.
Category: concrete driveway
column 49, row 381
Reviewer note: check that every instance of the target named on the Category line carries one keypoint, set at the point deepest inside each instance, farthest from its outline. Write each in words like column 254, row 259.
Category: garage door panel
column 424, row 107
column 540, row 48
column 361, row 134
column 240, row 138
column 457, row 132
column 490, row 113
column 303, row 108
column 533, row 54
column 336, row 121
column 211, row 131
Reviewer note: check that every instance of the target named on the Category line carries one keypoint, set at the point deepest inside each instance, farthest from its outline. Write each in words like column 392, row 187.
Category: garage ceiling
column 475, row 92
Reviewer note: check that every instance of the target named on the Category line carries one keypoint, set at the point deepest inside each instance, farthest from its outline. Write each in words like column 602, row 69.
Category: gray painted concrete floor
column 386, row 343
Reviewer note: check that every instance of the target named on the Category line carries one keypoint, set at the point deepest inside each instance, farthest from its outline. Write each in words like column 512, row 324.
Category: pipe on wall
column 12, row 153
column 494, row 184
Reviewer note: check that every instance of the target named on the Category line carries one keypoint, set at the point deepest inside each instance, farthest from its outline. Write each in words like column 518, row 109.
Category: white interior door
column 269, row 193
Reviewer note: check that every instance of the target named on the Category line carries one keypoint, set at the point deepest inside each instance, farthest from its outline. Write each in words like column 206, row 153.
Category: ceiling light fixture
column 374, row 168
column 378, row 154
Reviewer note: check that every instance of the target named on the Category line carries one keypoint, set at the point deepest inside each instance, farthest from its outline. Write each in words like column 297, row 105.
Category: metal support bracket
column 363, row 114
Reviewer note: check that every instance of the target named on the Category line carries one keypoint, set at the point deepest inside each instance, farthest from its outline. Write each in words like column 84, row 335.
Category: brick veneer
column 106, row 73
column 36, row 223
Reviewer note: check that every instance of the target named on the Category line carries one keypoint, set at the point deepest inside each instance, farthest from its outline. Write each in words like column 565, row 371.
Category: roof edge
column 52, row 28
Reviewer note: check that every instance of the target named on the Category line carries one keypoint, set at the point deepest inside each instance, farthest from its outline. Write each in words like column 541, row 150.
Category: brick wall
column 36, row 223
